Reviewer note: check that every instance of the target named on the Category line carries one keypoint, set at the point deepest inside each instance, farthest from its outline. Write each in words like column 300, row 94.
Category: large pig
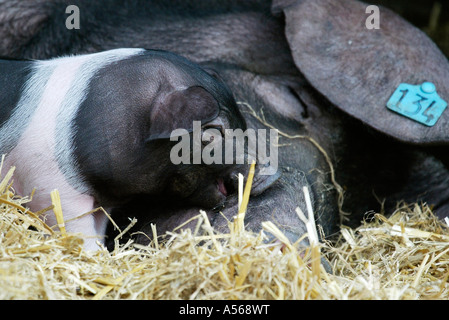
column 99, row 128
column 312, row 69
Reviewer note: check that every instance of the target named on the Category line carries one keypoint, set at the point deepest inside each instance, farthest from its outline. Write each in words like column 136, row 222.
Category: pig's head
column 352, row 68
column 358, row 67
column 144, row 125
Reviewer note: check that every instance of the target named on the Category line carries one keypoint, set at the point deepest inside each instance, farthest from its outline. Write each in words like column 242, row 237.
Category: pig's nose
column 222, row 187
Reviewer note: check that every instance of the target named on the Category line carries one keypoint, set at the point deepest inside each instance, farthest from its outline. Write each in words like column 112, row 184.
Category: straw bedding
column 404, row 256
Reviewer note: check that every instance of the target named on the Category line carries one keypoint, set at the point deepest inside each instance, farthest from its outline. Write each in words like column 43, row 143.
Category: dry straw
column 404, row 256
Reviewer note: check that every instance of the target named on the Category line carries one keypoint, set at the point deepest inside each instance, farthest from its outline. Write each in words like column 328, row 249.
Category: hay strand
column 243, row 201
column 57, row 209
column 404, row 256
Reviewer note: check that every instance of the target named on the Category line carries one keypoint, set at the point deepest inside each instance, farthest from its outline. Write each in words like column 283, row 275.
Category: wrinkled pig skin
column 257, row 49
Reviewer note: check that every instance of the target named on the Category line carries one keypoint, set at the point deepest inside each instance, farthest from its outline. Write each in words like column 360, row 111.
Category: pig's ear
column 357, row 67
column 179, row 109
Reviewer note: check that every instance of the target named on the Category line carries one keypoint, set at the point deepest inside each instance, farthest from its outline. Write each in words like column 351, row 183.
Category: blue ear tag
column 420, row 103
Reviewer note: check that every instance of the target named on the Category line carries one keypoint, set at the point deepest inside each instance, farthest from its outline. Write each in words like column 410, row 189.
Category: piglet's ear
column 179, row 109
column 358, row 62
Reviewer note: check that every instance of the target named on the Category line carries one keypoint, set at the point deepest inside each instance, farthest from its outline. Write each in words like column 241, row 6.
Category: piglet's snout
column 222, row 187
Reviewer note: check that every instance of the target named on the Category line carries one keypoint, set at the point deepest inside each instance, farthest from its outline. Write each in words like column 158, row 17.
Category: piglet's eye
column 217, row 127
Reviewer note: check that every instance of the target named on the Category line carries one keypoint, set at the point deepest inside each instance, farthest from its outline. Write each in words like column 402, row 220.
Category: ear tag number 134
column 420, row 103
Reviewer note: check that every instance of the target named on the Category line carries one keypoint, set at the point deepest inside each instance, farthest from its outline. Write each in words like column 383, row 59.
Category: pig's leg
column 74, row 204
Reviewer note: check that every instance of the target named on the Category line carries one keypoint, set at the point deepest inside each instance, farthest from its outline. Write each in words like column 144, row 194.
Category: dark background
column 432, row 16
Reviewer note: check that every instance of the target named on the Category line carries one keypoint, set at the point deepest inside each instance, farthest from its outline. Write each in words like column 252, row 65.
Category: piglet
column 97, row 127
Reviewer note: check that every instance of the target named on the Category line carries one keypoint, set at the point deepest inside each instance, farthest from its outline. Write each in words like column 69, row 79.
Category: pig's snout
column 209, row 192
column 222, row 187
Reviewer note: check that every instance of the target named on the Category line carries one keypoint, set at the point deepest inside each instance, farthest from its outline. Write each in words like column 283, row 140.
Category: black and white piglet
column 96, row 127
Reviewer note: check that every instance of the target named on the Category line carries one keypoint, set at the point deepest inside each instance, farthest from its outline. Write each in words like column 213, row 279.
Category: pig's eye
column 217, row 127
